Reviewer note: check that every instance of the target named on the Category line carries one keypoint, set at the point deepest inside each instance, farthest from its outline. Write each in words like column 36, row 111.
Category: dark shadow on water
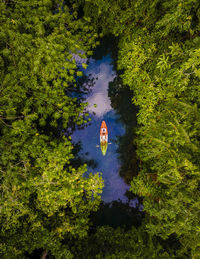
column 121, row 101
column 79, row 160
column 116, row 214
column 108, row 46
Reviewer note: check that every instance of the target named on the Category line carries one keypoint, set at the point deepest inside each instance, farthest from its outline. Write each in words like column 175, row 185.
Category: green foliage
column 43, row 198
column 107, row 242
column 164, row 78
column 159, row 57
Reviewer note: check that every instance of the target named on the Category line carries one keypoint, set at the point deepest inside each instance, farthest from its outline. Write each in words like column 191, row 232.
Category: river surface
column 99, row 108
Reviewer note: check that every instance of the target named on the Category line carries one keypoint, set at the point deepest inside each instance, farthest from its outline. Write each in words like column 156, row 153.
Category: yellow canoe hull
column 104, row 146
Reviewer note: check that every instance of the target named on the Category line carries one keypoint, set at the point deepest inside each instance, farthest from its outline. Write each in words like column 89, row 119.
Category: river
column 99, row 108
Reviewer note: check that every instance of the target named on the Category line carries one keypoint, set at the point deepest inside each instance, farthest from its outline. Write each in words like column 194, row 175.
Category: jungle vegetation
column 45, row 201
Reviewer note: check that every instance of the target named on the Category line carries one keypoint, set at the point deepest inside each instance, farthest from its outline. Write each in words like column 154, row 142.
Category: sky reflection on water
column 99, row 103
column 99, row 96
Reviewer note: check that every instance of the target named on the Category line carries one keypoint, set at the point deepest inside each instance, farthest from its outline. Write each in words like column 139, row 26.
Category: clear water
column 99, row 108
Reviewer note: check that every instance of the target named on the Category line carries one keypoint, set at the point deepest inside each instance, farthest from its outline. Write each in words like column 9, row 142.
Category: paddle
column 99, row 146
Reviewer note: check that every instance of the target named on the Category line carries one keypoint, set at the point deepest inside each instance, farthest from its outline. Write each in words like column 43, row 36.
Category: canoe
column 103, row 137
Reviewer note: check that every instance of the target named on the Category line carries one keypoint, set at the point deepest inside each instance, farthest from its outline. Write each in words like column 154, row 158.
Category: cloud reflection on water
column 98, row 101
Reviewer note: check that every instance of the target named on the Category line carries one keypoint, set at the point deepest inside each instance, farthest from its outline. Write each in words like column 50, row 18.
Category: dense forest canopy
column 43, row 198
column 45, row 201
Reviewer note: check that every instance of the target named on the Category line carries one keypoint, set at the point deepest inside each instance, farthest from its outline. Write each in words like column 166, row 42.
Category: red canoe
column 103, row 137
